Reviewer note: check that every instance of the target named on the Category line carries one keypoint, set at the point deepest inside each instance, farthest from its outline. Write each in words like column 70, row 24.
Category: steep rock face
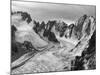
column 84, row 26
column 88, row 58
column 85, row 49
column 79, row 25
column 86, row 33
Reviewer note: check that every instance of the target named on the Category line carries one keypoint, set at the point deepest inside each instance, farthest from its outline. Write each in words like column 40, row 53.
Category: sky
column 48, row 11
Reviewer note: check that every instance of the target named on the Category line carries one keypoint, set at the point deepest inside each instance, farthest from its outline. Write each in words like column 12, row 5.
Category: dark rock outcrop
column 47, row 30
column 79, row 25
column 25, row 16
column 87, row 58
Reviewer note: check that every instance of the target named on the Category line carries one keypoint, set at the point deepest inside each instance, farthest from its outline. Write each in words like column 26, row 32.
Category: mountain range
column 54, row 46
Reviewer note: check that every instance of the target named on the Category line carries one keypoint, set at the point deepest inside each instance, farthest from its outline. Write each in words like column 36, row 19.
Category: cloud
column 46, row 11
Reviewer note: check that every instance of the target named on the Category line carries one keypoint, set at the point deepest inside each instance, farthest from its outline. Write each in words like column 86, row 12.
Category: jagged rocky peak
column 61, row 28
column 84, row 26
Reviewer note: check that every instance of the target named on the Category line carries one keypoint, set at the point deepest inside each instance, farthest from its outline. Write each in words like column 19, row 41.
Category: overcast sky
column 46, row 11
